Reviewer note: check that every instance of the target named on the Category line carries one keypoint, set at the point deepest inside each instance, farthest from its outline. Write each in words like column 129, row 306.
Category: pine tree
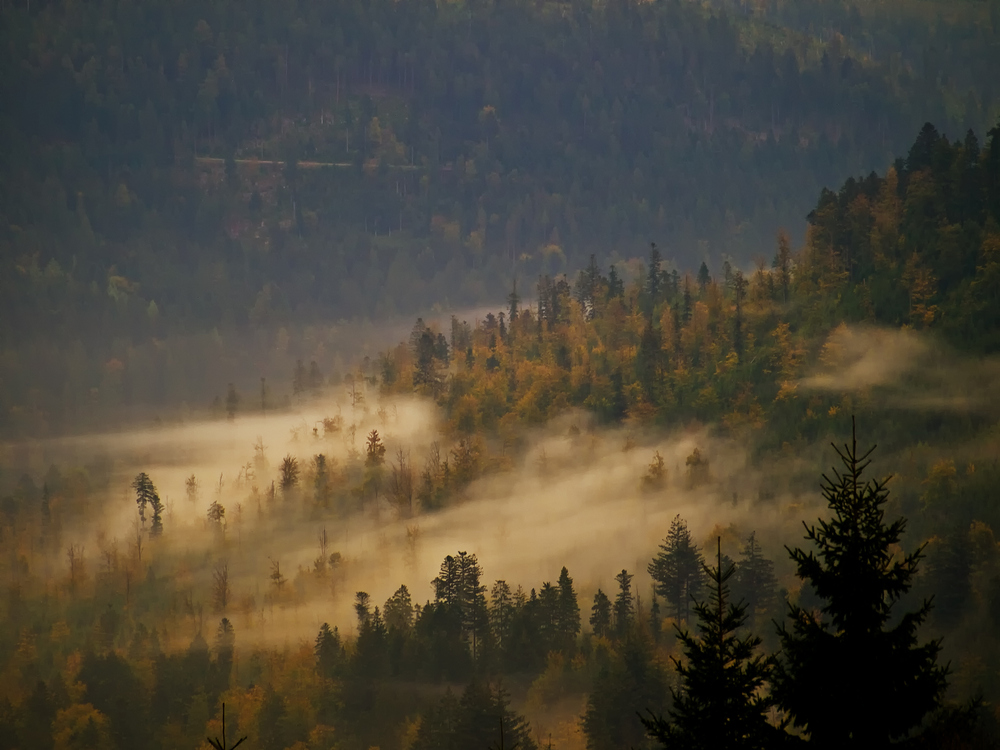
column 600, row 615
column 501, row 613
column 624, row 609
column 567, row 613
column 704, row 277
column 145, row 493
column 327, row 651
column 855, row 675
column 398, row 611
column 677, row 568
column 720, row 704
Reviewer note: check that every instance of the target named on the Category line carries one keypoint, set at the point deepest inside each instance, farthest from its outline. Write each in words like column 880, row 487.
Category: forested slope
column 486, row 138
column 579, row 426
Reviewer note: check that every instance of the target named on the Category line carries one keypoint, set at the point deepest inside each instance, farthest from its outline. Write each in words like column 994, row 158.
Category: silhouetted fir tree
column 677, row 569
column 145, row 493
column 600, row 615
column 362, row 607
column 398, row 611
column 547, row 621
column 473, row 601
column 371, row 655
column 624, row 608
column 855, row 675
column 567, row 613
column 704, row 277
column 720, row 703
column 327, row 651
column 501, row 613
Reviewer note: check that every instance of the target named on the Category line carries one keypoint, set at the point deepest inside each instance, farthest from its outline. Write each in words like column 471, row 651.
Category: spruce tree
column 145, row 493
column 567, row 613
column 624, row 610
column 677, row 568
column 854, row 674
column 720, row 704
column 600, row 615
column 327, row 651
column 704, row 277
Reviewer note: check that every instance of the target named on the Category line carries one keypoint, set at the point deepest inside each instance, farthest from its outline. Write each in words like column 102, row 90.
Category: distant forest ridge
column 168, row 150
column 917, row 248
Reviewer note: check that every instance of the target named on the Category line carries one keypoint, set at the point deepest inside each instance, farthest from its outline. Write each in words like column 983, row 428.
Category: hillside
column 172, row 151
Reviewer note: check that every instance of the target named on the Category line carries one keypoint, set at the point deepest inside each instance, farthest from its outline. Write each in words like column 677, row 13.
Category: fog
column 574, row 497
column 569, row 493
column 905, row 369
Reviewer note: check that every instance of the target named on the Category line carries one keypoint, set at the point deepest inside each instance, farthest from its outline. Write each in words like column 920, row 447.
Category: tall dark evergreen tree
column 327, row 650
column 677, row 568
column 567, row 614
column 704, row 277
column 145, row 493
column 720, row 704
column 624, row 608
column 501, row 613
column 856, row 675
column 600, row 615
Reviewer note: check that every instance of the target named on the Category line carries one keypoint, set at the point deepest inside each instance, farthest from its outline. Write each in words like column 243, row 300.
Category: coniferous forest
column 426, row 375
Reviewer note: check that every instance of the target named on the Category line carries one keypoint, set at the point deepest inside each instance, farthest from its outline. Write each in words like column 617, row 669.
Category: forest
column 584, row 376
column 576, row 521
column 183, row 182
